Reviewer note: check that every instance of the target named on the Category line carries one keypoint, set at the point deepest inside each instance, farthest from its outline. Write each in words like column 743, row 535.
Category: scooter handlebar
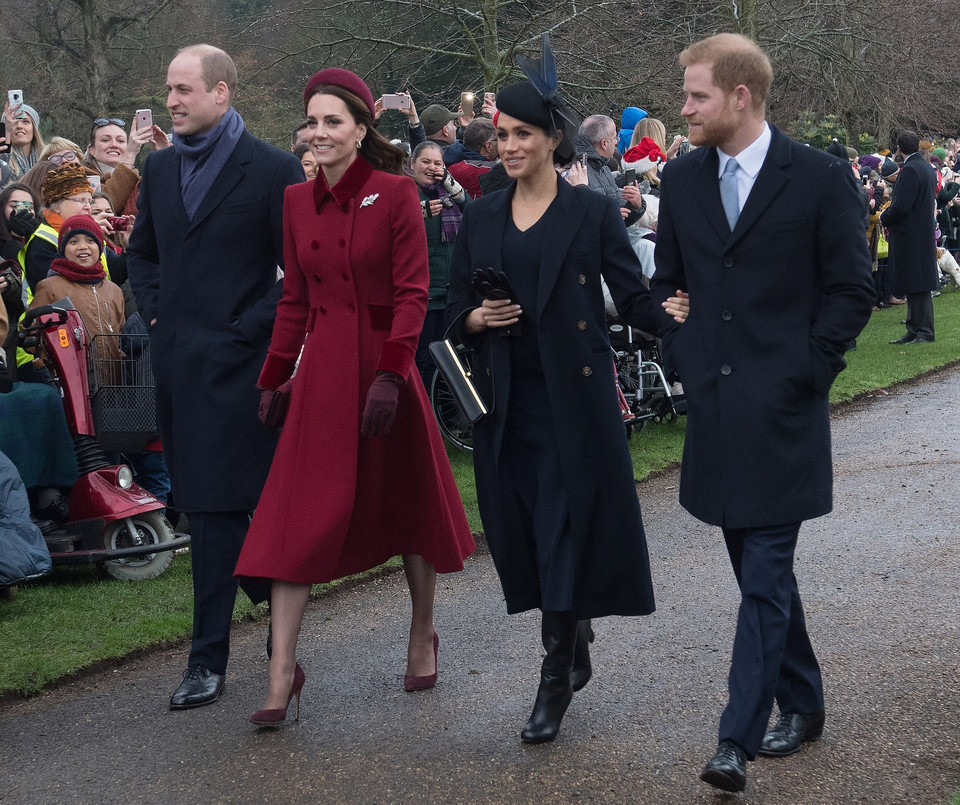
column 34, row 313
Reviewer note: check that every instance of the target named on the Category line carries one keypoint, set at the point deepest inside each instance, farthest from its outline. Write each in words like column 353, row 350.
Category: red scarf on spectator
column 88, row 275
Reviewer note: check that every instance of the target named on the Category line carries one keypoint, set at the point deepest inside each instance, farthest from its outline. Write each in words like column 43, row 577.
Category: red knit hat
column 76, row 225
column 338, row 77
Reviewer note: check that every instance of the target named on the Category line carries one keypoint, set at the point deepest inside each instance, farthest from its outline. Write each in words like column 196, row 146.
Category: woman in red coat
column 360, row 473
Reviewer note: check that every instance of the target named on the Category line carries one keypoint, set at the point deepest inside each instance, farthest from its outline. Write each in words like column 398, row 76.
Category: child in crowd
column 77, row 273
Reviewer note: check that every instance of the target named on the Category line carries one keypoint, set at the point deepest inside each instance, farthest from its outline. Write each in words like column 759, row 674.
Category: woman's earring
column 358, row 144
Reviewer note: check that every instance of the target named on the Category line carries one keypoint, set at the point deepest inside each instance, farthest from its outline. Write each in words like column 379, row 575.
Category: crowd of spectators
column 454, row 159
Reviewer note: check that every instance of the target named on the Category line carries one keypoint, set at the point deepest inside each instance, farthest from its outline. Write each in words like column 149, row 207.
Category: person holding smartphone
column 22, row 124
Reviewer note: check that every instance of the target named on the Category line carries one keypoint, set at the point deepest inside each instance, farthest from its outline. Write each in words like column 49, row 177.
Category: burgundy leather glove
column 381, row 406
column 274, row 404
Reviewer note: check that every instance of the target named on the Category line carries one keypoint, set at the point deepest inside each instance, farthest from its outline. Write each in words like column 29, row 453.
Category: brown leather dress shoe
column 790, row 731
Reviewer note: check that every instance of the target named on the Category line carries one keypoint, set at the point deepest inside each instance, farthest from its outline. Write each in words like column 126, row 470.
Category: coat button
column 725, row 370
column 726, row 315
column 351, row 308
column 315, row 245
column 728, row 262
column 342, row 242
column 488, row 371
column 581, row 325
column 582, row 279
column 345, row 276
column 317, row 278
column 323, row 310
column 587, row 371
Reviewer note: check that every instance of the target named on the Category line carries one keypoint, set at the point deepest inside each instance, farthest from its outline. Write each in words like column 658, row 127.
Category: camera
column 118, row 222
column 447, row 202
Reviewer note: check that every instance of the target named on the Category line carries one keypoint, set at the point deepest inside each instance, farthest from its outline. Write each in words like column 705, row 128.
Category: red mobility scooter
column 113, row 522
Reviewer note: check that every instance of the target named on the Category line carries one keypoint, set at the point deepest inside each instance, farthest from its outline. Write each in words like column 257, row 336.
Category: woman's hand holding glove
column 381, row 406
column 452, row 186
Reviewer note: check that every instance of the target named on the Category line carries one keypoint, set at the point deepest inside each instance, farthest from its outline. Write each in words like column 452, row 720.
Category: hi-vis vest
column 51, row 236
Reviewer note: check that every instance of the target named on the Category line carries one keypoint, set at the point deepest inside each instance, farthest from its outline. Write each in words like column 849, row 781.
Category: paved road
column 880, row 578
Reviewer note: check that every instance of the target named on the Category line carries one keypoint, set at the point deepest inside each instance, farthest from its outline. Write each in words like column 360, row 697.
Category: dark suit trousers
column 772, row 655
column 920, row 314
column 215, row 542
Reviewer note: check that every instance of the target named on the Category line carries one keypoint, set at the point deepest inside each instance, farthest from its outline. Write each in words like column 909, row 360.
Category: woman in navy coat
column 554, row 477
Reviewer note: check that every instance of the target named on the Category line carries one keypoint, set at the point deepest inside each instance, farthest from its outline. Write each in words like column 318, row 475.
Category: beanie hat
column 67, row 180
column 30, row 112
column 338, row 77
column 838, row 150
column 435, row 117
column 940, row 152
column 852, row 153
column 644, row 156
column 76, row 225
column 870, row 161
column 889, row 169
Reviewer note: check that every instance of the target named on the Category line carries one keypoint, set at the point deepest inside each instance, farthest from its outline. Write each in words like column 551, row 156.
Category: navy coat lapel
column 769, row 182
column 563, row 226
column 711, row 206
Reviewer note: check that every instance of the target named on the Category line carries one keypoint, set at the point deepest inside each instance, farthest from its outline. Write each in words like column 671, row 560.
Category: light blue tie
column 728, row 192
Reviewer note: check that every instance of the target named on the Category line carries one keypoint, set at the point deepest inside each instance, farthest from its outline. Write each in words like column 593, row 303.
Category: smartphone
column 466, row 102
column 3, row 133
column 94, row 182
column 395, row 101
column 14, row 97
column 143, row 119
column 631, row 174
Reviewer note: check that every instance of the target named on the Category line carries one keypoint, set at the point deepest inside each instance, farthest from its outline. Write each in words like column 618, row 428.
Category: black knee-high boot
column 582, row 669
column 555, row 692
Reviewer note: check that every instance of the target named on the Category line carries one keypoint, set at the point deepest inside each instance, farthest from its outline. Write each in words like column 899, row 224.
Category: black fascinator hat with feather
column 537, row 101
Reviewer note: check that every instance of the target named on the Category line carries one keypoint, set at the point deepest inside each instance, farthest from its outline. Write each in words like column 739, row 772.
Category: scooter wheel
column 151, row 528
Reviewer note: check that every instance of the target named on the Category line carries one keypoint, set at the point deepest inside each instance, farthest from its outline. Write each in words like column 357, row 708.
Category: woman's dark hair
column 5, row 232
column 301, row 149
column 423, row 147
column 376, row 148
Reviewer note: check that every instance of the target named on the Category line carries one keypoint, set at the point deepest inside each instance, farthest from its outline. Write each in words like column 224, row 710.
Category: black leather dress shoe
column 727, row 769
column 200, row 686
column 922, row 339
column 903, row 339
column 790, row 732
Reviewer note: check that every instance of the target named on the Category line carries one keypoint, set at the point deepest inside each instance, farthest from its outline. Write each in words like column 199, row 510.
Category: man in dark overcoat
column 203, row 261
column 911, row 220
column 778, row 273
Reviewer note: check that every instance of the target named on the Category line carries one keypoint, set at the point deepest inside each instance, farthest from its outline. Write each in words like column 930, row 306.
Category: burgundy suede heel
column 277, row 716
column 415, row 683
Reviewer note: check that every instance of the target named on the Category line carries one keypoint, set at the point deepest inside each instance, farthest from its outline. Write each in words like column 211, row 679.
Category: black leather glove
column 23, row 223
column 492, row 284
column 380, row 409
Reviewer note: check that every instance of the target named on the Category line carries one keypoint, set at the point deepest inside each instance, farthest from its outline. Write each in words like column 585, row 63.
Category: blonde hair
column 652, row 128
column 734, row 60
column 58, row 144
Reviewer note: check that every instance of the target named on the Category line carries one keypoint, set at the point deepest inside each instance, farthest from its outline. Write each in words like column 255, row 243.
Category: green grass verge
column 75, row 619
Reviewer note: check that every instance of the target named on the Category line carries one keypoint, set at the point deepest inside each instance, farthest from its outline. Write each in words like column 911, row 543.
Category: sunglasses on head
column 100, row 122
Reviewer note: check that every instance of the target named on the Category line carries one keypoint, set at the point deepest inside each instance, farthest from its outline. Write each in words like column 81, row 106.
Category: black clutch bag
column 452, row 362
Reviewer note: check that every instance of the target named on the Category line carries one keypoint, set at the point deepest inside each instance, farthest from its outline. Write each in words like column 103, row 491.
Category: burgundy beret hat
column 338, row 77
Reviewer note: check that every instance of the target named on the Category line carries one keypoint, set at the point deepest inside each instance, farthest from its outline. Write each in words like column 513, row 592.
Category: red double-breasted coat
column 354, row 295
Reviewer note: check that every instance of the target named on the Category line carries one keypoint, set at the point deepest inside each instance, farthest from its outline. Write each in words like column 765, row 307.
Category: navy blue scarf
column 202, row 157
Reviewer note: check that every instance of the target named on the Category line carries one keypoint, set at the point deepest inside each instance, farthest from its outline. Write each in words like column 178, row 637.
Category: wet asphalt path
column 880, row 578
